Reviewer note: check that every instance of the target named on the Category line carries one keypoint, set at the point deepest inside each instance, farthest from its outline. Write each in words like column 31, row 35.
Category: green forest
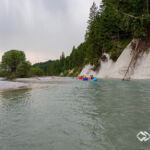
column 111, row 27
column 14, row 64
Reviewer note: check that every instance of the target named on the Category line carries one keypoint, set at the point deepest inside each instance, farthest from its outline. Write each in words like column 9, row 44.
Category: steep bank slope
column 118, row 69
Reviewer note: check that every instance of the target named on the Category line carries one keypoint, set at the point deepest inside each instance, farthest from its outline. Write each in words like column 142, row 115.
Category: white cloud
column 43, row 28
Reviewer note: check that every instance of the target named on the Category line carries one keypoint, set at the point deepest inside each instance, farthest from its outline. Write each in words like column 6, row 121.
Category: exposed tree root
column 139, row 46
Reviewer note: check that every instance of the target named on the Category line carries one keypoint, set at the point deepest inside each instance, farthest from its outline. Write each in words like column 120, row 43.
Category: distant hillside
column 45, row 66
column 111, row 27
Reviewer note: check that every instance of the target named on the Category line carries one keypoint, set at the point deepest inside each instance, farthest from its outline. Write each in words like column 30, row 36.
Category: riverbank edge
column 117, row 70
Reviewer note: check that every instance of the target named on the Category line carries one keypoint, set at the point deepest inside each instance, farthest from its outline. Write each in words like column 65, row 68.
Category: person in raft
column 91, row 76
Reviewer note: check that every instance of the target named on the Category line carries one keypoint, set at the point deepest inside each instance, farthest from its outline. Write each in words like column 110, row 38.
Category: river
column 76, row 115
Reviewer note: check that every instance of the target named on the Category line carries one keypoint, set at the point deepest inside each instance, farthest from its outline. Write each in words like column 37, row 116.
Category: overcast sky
column 43, row 28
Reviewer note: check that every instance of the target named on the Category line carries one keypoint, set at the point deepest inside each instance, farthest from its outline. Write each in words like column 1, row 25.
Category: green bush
column 14, row 64
column 11, row 76
column 96, row 63
column 2, row 74
column 36, row 71
column 66, row 73
column 23, row 69
column 114, row 55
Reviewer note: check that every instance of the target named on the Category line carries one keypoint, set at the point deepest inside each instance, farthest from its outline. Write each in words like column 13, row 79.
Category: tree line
column 111, row 26
column 14, row 64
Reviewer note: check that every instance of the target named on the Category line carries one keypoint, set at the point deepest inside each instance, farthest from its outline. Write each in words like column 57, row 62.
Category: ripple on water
column 73, row 115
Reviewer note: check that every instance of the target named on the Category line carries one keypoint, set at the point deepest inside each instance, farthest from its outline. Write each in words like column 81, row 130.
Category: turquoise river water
column 76, row 115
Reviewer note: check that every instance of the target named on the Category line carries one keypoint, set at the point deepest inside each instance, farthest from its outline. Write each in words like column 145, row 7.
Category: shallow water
column 76, row 115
